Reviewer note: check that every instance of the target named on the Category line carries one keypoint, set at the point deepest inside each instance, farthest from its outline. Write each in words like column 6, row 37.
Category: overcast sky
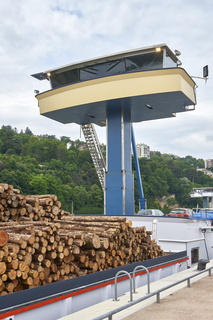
column 37, row 35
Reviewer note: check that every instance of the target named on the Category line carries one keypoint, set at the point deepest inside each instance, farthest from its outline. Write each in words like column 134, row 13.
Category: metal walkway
column 160, row 289
column 95, row 151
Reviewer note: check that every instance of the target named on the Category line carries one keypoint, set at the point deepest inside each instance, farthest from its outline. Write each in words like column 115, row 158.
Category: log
column 2, row 267
column 92, row 242
column 22, row 266
column 75, row 249
column 69, row 258
column 4, row 277
column 3, row 238
column 9, row 286
column 55, row 210
column 13, row 264
column 46, row 263
column 38, row 257
column 11, row 274
column 81, row 257
column 12, row 248
column 54, row 267
column 3, row 187
column 104, row 243
column 51, row 255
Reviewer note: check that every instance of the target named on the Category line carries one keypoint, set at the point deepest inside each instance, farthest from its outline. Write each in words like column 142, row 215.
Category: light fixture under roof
column 148, row 106
column 177, row 53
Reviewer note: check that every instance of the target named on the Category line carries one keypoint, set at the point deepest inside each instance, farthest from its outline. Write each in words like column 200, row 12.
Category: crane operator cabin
column 116, row 91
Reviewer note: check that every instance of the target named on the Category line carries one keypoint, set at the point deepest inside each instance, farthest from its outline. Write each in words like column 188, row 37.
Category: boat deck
column 203, row 292
column 192, row 303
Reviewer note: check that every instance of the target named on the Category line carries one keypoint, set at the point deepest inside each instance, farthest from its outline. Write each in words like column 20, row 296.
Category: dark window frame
column 152, row 61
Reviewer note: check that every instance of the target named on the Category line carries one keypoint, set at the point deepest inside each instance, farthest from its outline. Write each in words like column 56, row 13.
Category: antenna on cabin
column 205, row 74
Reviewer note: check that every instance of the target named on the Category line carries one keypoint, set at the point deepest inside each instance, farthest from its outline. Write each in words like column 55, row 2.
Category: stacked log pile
column 14, row 206
column 34, row 253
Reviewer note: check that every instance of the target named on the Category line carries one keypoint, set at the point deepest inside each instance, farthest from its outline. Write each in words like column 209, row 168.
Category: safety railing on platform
column 148, row 277
column 131, row 280
column 156, row 293
column 122, row 272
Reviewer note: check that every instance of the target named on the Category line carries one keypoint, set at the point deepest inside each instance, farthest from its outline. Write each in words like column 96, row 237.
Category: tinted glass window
column 60, row 79
column 169, row 62
column 178, row 211
column 158, row 213
column 145, row 212
column 153, row 60
column 147, row 61
column 102, row 70
column 194, row 255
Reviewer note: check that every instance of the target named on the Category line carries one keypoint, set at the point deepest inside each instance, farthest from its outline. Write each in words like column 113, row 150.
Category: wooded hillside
column 44, row 165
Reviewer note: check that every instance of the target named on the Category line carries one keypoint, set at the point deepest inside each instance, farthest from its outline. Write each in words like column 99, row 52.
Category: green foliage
column 164, row 175
column 43, row 165
column 10, row 142
column 28, row 131
column 90, row 210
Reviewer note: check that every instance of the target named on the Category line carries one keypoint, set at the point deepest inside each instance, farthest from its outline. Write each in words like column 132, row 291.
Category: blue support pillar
column 119, row 193
column 142, row 203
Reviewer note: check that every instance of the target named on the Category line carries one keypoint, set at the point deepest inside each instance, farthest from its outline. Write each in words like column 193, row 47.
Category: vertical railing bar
column 148, row 277
column 130, row 279
column 158, row 297
column 188, row 283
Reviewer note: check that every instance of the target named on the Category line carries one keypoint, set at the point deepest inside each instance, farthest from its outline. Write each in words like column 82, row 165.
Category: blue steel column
column 119, row 193
column 142, row 203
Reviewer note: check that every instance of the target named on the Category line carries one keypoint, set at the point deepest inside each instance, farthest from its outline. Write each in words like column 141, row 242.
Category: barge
column 185, row 242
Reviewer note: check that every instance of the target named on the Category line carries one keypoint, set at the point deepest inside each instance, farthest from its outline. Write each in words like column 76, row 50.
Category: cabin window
column 63, row 78
column 148, row 61
column 102, row 70
column 194, row 255
column 169, row 63
column 140, row 62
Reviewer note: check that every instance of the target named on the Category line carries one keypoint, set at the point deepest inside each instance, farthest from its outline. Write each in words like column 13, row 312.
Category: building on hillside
column 143, row 150
column 209, row 163
column 83, row 147
column 206, row 172
column 69, row 145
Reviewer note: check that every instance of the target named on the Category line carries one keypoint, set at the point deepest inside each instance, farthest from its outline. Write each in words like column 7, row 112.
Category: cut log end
column 3, row 238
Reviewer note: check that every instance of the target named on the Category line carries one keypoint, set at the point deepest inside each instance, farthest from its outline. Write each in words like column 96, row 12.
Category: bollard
column 202, row 264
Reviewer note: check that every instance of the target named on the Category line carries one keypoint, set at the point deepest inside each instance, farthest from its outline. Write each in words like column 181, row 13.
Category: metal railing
column 155, row 293
column 148, row 277
column 130, row 280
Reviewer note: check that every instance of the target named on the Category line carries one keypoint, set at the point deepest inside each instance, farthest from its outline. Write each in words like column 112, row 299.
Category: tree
column 80, row 197
column 96, row 196
column 28, row 131
column 38, row 184
column 45, row 149
column 7, row 142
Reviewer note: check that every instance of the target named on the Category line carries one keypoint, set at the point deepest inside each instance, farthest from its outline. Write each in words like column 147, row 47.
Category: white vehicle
column 150, row 212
